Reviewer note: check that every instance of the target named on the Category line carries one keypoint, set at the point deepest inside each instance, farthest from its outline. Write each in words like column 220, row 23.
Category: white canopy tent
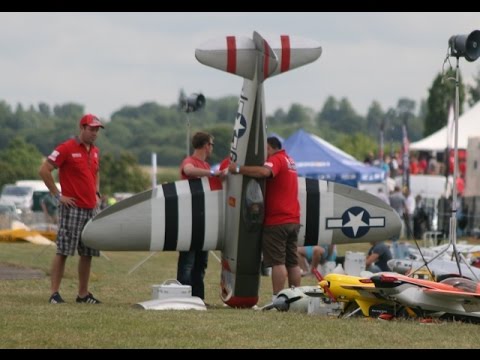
column 468, row 125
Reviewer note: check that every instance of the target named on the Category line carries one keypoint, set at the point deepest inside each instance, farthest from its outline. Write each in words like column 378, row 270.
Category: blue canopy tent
column 315, row 158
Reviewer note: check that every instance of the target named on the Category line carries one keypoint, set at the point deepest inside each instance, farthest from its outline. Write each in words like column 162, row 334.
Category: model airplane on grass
column 351, row 291
column 196, row 215
column 338, row 285
column 453, row 297
column 440, row 268
column 293, row 299
column 333, row 288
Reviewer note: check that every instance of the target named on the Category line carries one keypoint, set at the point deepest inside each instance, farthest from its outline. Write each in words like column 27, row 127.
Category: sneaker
column 56, row 298
column 89, row 299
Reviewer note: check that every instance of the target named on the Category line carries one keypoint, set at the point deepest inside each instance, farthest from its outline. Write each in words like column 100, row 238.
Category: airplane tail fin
column 238, row 54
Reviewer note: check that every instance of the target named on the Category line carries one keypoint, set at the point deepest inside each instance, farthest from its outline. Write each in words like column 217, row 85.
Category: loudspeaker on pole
column 467, row 46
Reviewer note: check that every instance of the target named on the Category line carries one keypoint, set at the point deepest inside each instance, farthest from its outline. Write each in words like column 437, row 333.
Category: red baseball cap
column 91, row 120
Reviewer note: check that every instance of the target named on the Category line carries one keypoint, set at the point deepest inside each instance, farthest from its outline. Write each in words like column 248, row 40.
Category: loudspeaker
column 467, row 46
column 195, row 102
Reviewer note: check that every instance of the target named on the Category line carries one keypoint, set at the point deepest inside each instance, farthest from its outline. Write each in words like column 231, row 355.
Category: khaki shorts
column 279, row 245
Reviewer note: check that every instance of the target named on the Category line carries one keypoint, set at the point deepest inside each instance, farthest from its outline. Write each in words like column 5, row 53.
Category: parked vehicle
column 21, row 196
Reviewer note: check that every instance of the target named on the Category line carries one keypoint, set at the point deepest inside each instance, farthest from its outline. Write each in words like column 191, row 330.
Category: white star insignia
column 238, row 125
column 355, row 222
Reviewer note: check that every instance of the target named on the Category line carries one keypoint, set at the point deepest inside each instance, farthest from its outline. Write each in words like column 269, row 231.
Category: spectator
column 381, row 195
column 397, row 202
column 49, row 206
column 309, row 257
column 378, row 256
column 78, row 164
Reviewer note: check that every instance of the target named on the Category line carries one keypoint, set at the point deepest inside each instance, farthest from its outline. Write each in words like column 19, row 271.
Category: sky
column 104, row 61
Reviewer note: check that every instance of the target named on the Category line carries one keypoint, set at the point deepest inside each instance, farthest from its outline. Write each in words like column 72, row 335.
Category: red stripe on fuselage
column 266, row 60
column 231, row 54
column 285, row 66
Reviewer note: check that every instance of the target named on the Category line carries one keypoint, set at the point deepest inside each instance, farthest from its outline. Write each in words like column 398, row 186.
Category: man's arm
column 371, row 259
column 45, row 173
column 191, row 171
column 252, row 171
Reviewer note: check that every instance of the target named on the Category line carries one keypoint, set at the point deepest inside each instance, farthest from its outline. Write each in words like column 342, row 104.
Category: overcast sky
column 107, row 60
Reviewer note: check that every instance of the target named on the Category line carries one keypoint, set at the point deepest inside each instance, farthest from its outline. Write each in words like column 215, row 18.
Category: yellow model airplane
column 335, row 285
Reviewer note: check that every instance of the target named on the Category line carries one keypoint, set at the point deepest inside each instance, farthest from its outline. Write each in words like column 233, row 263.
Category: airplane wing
column 190, row 215
column 180, row 216
column 469, row 301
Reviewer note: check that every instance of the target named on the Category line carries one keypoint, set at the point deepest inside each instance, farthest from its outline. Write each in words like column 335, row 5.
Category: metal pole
column 188, row 135
column 382, row 146
column 154, row 170
column 453, row 217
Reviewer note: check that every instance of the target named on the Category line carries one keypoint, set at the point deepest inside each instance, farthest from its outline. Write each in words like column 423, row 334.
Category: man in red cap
column 77, row 161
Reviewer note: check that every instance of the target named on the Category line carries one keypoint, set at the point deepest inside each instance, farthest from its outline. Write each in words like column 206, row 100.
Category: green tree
column 356, row 145
column 19, row 161
column 122, row 174
column 440, row 96
column 299, row 115
column 68, row 111
column 474, row 90
column 340, row 115
column 375, row 118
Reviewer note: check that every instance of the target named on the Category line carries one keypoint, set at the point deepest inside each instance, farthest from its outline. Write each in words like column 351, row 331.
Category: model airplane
column 440, row 268
column 293, row 299
column 195, row 215
column 333, row 288
column 452, row 296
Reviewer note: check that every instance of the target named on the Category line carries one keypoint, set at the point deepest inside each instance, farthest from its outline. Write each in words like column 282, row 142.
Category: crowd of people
column 418, row 164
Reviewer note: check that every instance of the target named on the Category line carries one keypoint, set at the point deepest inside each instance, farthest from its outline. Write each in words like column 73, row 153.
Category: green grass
column 28, row 321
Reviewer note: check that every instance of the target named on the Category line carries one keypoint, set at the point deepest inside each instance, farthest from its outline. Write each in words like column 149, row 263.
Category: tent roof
column 314, row 157
column 468, row 125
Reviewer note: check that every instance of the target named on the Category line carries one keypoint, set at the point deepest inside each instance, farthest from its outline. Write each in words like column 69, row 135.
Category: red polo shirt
column 77, row 171
column 215, row 183
column 281, row 198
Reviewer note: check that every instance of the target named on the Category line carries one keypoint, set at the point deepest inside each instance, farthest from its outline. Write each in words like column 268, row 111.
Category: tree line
column 135, row 132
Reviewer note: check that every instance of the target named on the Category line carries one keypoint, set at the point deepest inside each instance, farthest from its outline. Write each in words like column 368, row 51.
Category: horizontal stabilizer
column 238, row 54
column 333, row 213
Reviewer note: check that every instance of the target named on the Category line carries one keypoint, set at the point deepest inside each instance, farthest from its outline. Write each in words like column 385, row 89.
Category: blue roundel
column 243, row 125
column 355, row 222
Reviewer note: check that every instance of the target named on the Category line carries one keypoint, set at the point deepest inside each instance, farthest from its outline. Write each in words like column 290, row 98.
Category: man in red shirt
column 192, row 264
column 282, row 213
column 77, row 161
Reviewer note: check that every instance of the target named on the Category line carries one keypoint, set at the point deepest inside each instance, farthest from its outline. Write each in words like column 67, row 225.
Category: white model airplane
column 294, row 299
column 201, row 214
column 440, row 268
column 453, row 296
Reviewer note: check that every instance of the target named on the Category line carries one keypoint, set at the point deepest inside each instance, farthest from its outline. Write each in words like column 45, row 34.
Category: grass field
column 28, row 321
